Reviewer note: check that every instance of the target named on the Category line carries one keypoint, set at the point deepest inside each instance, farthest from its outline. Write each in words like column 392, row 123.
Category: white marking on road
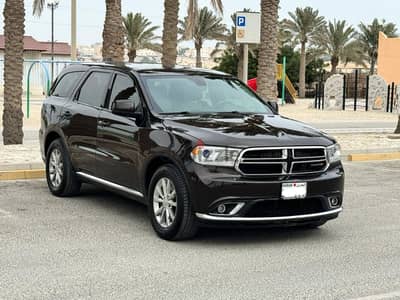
column 393, row 295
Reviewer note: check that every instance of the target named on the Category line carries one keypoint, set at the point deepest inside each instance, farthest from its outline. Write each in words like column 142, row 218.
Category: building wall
column 389, row 58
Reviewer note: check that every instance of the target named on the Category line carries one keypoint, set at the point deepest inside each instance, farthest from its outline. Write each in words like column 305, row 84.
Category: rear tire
column 61, row 177
column 171, row 216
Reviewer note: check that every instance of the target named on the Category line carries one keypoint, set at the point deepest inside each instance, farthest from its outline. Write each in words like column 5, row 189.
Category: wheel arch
column 154, row 164
column 51, row 136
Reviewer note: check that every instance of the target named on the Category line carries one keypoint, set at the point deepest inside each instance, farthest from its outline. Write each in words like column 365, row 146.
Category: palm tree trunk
column 302, row 73
column 268, row 50
column 398, row 126
column 198, row 55
column 372, row 69
column 334, row 64
column 113, row 33
column 132, row 55
column 170, row 33
column 14, row 29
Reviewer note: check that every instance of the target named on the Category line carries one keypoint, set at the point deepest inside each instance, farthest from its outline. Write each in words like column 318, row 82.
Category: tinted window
column 202, row 94
column 124, row 89
column 66, row 84
column 94, row 90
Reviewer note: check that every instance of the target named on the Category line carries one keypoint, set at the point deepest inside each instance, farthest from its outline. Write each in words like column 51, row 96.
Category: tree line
column 307, row 40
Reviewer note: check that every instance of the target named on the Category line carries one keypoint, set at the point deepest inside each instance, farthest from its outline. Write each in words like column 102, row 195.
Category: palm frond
column 139, row 32
column 38, row 6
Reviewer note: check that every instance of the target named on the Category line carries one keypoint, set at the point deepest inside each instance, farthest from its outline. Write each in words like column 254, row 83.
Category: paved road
column 101, row 246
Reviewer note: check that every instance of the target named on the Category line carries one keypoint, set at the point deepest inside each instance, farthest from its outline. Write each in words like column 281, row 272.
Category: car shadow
column 136, row 213
column 114, row 203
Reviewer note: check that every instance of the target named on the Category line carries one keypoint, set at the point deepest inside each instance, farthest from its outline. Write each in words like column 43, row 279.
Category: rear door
column 82, row 116
column 118, row 136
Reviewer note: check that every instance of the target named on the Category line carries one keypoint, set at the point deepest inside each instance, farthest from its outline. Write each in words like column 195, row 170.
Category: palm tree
column 305, row 24
column 207, row 26
column 139, row 34
column 113, row 32
column 369, row 37
column 14, row 29
column 170, row 27
column 338, row 41
column 268, row 49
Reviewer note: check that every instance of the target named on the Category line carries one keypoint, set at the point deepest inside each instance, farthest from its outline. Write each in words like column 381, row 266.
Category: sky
column 91, row 14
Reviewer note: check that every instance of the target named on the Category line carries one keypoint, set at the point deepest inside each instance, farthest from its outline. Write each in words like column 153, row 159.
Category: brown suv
column 198, row 147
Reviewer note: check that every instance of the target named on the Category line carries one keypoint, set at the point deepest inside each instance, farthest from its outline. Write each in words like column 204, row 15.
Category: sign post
column 248, row 31
column 283, row 79
column 245, row 62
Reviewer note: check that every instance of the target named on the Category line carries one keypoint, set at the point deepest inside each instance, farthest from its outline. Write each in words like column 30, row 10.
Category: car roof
column 146, row 68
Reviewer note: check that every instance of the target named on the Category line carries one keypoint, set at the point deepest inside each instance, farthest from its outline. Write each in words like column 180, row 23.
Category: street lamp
column 52, row 4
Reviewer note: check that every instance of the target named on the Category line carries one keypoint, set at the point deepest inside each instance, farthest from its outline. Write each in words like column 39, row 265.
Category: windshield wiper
column 178, row 113
column 234, row 113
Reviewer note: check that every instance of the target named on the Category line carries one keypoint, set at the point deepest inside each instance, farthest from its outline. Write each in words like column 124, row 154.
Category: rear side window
column 66, row 84
column 94, row 90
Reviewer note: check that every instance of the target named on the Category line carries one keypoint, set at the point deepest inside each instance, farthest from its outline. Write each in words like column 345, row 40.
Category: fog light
column 334, row 201
column 221, row 209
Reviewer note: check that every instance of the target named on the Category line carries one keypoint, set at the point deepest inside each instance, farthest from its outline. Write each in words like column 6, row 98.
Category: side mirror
column 126, row 107
column 274, row 105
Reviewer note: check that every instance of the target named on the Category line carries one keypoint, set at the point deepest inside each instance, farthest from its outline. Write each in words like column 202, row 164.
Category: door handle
column 104, row 123
column 67, row 114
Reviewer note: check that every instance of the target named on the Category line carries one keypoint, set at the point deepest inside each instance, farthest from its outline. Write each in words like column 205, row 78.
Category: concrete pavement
column 101, row 246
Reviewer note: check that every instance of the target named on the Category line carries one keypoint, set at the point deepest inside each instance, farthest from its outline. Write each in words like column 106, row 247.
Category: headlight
column 215, row 156
column 333, row 153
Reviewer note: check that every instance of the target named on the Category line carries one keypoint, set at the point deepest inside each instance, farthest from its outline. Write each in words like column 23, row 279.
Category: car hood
column 248, row 131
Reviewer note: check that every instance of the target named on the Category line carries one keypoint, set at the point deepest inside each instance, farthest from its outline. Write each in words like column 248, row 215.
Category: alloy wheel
column 164, row 202
column 56, row 168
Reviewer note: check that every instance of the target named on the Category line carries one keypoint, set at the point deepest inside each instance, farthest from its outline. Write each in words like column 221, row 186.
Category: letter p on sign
column 241, row 21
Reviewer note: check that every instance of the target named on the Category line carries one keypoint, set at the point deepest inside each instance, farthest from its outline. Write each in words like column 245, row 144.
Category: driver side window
column 124, row 89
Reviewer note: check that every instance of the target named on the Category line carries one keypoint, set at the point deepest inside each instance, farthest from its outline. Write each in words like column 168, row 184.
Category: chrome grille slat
column 289, row 161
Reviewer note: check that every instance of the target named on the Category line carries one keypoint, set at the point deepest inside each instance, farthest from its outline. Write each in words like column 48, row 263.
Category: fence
column 38, row 78
column 356, row 93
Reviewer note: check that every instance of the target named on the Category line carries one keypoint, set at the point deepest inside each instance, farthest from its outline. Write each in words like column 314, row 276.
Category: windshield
column 194, row 94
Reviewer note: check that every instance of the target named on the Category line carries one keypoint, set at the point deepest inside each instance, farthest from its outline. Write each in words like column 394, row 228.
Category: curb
column 373, row 156
column 22, row 174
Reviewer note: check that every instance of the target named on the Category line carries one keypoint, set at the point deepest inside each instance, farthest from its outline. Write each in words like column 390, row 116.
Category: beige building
column 389, row 58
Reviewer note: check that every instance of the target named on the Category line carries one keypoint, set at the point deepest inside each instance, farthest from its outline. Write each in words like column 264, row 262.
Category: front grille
column 264, row 154
column 282, row 161
column 283, row 208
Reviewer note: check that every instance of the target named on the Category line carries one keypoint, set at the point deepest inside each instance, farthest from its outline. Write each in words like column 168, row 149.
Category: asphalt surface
column 102, row 246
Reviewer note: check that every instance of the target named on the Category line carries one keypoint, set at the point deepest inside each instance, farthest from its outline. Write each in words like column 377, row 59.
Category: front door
column 118, row 144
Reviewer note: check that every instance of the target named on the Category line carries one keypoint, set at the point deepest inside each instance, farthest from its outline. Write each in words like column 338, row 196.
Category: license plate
column 294, row 190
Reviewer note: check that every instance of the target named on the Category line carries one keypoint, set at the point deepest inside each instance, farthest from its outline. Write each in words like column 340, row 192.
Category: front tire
column 61, row 178
column 169, row 205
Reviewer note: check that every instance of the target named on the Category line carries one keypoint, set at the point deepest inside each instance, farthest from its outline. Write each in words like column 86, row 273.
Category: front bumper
column 261, row 198
column 330, row 214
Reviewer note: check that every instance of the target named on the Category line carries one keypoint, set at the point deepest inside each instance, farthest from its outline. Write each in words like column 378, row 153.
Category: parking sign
column 241, row 21
column 248, row 27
